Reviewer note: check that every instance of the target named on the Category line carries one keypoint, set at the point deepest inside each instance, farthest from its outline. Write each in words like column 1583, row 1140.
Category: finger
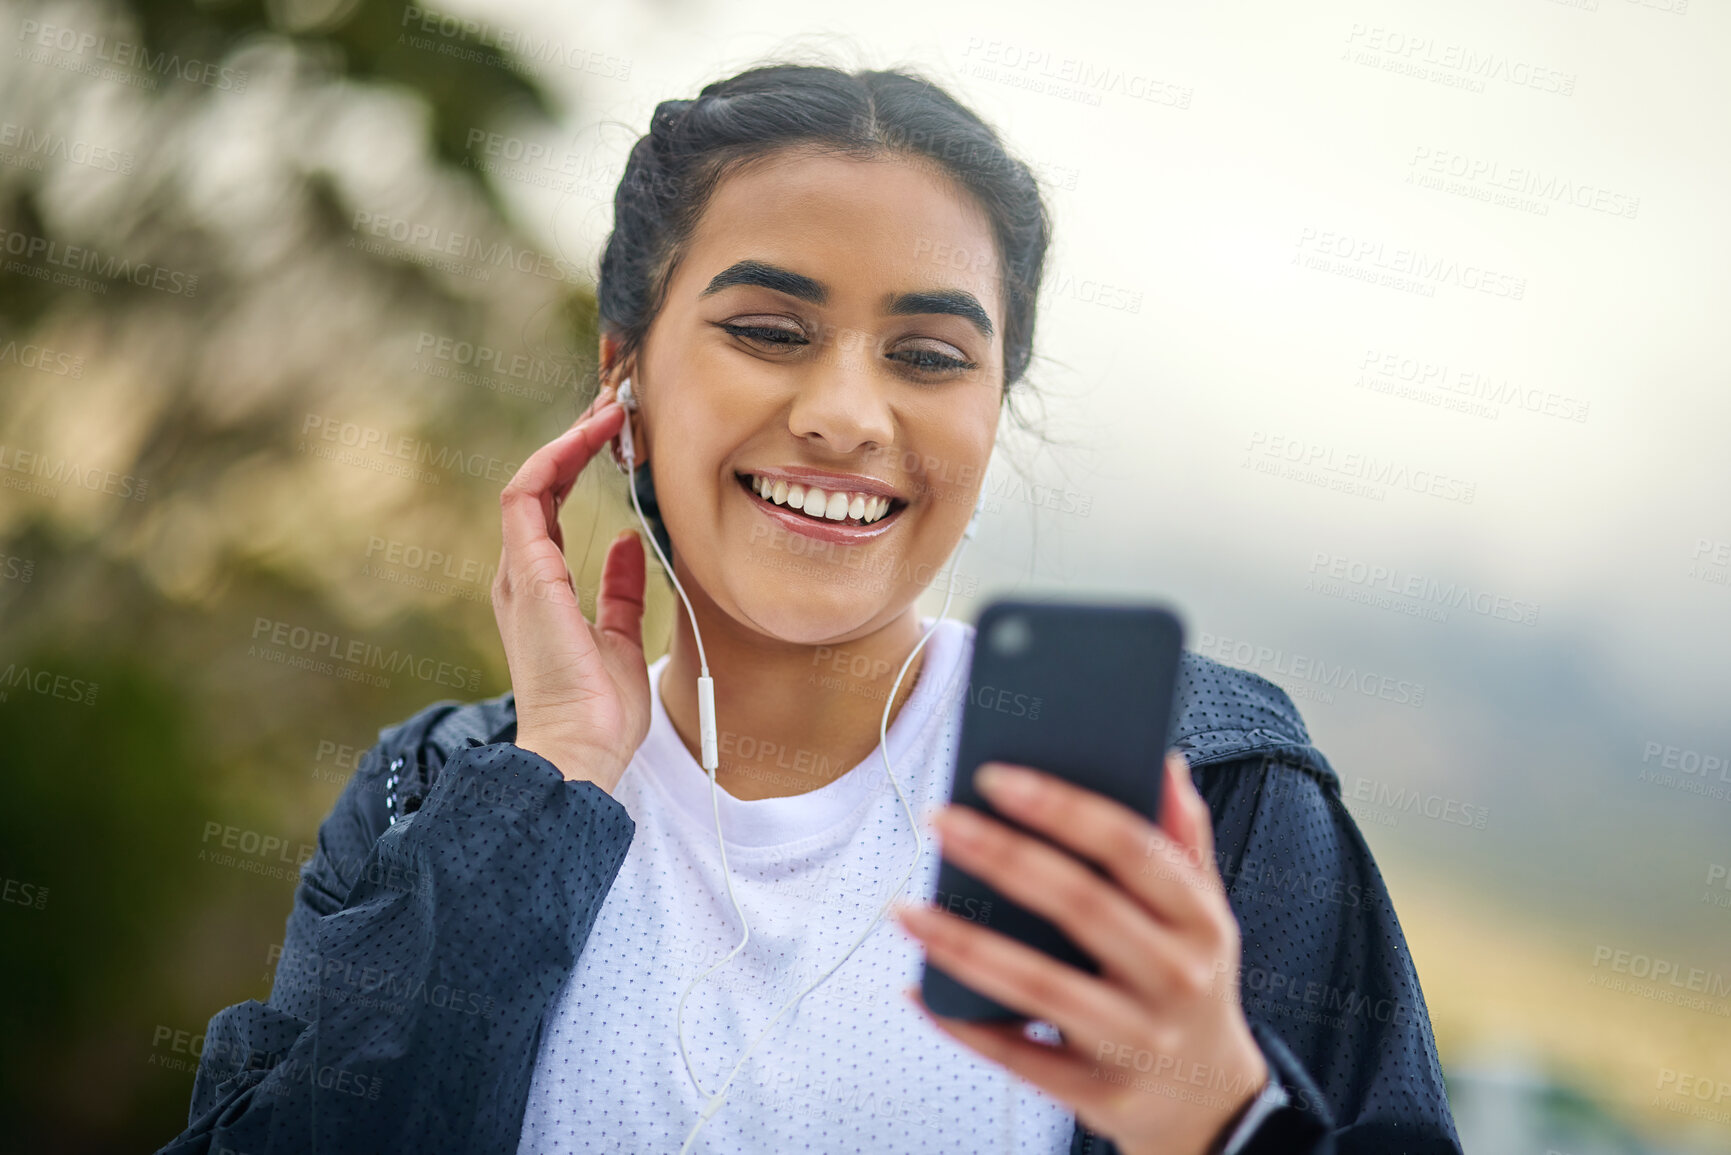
column 532, row 571
column 619, row 607
column 603, row 395
column 562, row 489
column 526, row 502
column 1111, row 926
column 1101, row 830
column 1183, row 813
column 1085, row 1008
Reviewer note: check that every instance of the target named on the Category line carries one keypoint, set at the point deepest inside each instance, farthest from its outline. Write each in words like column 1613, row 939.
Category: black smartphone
column 1083, row 691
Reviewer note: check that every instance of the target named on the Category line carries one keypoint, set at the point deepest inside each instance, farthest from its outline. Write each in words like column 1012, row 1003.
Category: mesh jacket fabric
column 420, row 957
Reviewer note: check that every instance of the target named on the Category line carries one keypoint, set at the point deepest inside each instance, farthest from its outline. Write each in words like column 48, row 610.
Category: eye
column 774, row 336
column 929, row 360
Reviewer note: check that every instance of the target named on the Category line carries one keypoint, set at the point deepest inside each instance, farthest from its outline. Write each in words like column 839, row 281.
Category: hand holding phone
column 1079, row 886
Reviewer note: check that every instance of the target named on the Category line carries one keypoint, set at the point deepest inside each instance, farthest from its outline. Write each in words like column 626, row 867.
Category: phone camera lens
column 1011, row 635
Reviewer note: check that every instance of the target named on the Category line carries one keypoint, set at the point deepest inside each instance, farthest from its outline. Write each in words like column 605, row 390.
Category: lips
column 838, row 506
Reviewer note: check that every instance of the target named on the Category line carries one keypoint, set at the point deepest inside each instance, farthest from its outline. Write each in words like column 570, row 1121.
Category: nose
column 842, row 404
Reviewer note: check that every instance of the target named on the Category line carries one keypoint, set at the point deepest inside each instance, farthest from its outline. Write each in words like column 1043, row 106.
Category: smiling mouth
column 837, row 506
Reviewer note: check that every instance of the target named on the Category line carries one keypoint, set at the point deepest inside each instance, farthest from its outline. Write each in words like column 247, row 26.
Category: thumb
column 619, row 608
column 1183, row 814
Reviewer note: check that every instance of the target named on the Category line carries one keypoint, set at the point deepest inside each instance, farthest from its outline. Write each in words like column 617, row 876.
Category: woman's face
column 834, row 324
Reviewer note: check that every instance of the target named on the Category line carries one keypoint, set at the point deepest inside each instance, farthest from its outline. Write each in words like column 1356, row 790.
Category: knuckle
column 1084, row 900
column 1193, row 978
column 954, row 939
column 1213, row 936
column 1063, row 805
column 999, row 848
column 1127, row 845
column 1043, row 988
column 1164, row 1040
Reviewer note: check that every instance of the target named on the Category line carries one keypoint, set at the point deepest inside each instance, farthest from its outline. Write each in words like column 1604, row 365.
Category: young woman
column 510, row 937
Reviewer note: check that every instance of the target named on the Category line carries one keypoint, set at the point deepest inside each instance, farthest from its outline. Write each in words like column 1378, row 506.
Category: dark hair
column 692, row 144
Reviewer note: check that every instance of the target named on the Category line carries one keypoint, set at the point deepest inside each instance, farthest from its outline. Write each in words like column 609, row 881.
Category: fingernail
column 1004, row 783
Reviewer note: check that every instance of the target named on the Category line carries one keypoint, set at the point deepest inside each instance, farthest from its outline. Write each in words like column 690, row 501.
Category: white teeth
column 815, row 502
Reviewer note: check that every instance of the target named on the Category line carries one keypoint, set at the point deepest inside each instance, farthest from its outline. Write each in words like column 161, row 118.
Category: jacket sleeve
column 418, row 959
column 1325, row 979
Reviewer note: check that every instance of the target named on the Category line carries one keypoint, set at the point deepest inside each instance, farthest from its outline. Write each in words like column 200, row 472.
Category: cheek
column 693, row 485
column 679, row 485
column 687, row 421
column 962, row 457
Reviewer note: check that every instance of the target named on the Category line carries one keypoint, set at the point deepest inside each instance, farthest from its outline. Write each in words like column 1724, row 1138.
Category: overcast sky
column 1454, row 277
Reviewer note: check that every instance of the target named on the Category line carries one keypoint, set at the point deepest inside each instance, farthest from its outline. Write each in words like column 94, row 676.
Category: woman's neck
column 789, row 718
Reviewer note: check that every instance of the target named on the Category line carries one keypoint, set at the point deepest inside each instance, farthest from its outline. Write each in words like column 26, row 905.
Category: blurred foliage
column 185, row 288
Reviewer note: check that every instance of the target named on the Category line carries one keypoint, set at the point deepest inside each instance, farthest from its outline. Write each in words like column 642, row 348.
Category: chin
column 809, row 611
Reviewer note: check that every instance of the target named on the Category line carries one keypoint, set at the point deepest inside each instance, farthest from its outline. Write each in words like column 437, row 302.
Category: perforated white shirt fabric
column 855, row 1068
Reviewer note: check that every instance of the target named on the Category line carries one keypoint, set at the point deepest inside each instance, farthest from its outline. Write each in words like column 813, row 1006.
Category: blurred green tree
column 243, row 249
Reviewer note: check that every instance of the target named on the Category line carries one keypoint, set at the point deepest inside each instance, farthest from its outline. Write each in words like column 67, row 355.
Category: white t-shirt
column 855, row 1068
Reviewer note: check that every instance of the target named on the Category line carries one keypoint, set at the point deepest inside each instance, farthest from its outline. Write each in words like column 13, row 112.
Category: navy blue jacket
column 421, row 954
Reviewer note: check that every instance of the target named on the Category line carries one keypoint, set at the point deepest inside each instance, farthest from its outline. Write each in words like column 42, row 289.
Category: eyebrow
column 770, row 277
column 953, row 302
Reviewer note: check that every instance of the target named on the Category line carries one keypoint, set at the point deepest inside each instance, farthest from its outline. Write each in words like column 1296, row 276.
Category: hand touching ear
column 581, row 688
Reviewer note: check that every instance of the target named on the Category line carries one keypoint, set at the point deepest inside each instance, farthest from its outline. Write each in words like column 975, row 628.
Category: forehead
column 865, row 227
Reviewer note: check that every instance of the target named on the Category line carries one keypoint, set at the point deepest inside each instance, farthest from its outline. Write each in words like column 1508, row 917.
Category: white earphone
column 705, row 684
column 707, row 739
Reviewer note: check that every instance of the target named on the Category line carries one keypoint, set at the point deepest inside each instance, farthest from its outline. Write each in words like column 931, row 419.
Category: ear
column 609, row 360
column 639, row 438
column 639, row 441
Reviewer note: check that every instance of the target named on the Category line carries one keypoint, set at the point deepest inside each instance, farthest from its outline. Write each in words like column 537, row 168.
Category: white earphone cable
column 710, row 761
column 706, row 712
column 717, row 1100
